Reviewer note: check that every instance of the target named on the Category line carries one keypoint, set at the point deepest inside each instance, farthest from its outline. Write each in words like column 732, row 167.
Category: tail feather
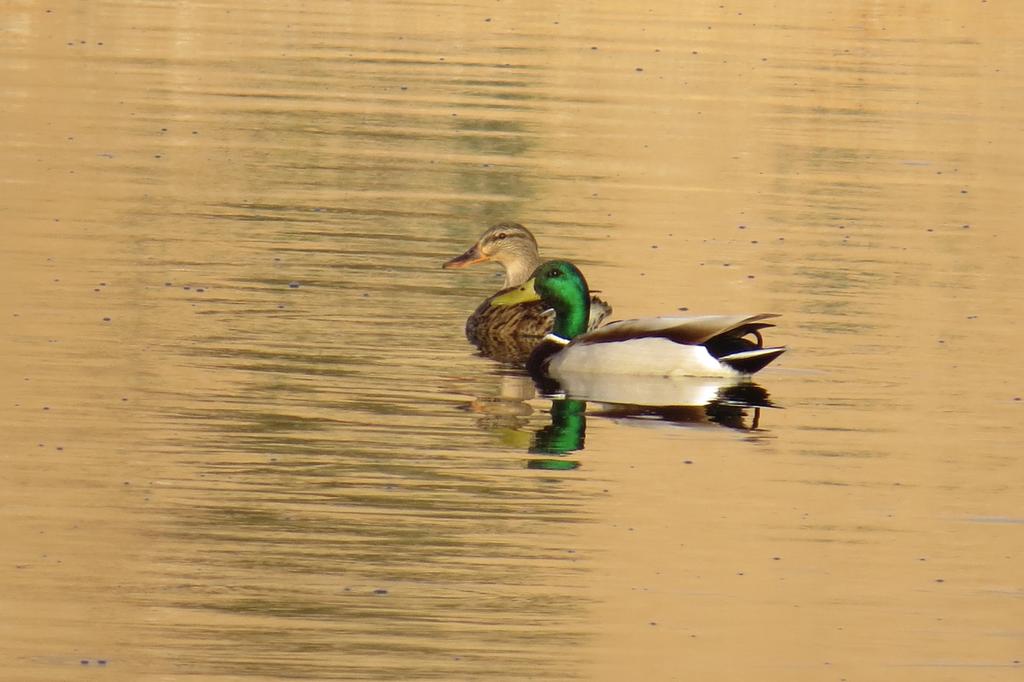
column 750, row 361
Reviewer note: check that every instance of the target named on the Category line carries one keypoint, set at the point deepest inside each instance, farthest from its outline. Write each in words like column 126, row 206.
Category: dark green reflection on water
column 565, row 433
column 567, row 429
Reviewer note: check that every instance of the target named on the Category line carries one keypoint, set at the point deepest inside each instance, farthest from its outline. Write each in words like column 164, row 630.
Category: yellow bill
column 523, row 294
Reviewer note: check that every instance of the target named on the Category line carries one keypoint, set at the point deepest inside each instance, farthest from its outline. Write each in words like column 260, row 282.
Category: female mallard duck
column 509, row 333
column 707, row 346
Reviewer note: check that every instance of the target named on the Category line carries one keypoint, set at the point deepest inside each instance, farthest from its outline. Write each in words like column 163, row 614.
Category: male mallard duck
column 509, row 333
column 708, row 345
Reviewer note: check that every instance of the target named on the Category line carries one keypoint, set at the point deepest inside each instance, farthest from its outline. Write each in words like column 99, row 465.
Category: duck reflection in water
column 506, row 412
column 695, row 403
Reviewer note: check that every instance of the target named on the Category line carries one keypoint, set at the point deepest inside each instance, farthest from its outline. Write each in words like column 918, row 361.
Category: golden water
column 245, row 438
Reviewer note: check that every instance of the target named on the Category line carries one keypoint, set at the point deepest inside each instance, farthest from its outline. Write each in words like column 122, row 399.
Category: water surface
column 246, row 438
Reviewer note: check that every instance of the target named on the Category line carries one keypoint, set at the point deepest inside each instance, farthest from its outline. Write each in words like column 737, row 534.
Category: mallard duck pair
column 568, row 342
column 509, row 333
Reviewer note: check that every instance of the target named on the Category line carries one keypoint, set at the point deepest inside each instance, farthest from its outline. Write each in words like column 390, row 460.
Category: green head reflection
column 566, row 431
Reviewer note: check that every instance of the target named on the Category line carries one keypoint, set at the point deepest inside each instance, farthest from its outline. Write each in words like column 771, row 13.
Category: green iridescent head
column 560, row 285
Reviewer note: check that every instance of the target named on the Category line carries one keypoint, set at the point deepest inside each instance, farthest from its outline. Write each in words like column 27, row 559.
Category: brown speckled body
column 509, row 333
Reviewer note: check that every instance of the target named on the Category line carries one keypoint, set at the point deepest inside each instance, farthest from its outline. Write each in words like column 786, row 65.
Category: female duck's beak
column 521, row 294
column 473, row 255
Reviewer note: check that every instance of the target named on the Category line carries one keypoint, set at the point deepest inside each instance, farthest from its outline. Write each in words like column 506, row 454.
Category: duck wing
column 689, row 331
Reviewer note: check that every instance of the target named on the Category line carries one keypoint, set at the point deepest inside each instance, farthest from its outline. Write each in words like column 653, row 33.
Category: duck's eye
column 554, row 273
column 500, row 235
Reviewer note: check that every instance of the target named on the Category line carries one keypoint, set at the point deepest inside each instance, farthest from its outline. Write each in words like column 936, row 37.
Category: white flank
column 640, row 357
column 646, row 390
